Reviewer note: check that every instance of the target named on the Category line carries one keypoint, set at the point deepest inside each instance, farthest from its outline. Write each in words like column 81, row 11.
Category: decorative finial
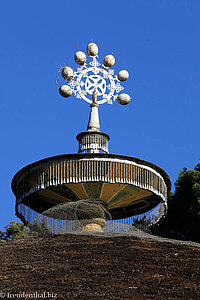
column 93, row 79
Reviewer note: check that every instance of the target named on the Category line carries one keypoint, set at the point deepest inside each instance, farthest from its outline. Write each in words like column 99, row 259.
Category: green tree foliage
column 40, row 228
column 14, row 231
column 17, row 230
column 183, row 216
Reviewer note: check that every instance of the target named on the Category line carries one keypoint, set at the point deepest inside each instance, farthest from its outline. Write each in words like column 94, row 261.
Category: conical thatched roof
column 92, row 267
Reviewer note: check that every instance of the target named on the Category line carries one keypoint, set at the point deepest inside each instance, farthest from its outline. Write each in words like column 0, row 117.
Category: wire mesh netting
column 87, row 216
column 90, row 217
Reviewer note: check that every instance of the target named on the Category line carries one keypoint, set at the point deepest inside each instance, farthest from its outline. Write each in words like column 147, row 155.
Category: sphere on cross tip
column 123, row 99
column 80, row 57
column 109, row 61
column 92, row 49
column 123, row 75
column 67, row 73
column 65, row 91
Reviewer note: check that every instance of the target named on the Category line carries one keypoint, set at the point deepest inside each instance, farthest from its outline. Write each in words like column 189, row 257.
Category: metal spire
column 96, row 84
column 93, row 124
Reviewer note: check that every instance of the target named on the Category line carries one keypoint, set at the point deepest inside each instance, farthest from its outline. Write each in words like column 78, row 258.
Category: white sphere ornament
column 109, row 61
column 123, row 75
column 80, row 57
column 65, row 91
column 67, row 73
column 123, row 99
column 92, row 49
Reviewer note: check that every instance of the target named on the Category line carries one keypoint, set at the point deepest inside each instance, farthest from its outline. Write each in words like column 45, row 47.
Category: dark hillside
column 89, row 267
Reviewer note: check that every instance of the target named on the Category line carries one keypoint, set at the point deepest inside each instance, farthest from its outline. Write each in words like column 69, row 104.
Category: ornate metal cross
column 87, row 78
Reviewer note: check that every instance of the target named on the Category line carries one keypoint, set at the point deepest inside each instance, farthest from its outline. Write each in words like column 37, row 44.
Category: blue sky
column 156, row 41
